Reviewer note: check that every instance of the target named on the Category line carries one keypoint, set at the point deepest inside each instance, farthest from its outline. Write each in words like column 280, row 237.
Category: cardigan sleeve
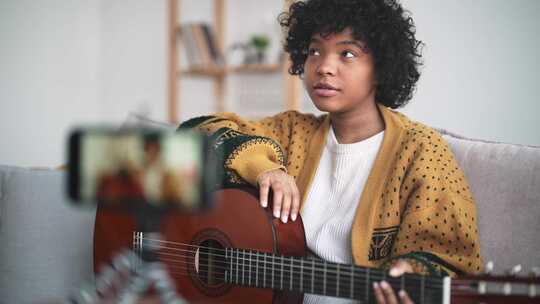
column 438, row 231
column 246, row 148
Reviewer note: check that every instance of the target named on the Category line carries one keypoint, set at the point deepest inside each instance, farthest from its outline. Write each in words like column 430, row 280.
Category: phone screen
column 119, row 168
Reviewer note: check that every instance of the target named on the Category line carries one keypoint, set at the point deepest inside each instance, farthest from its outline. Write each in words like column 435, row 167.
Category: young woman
column 373, row 187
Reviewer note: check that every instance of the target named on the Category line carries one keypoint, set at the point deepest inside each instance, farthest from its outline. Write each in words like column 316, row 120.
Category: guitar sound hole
column 211, row 263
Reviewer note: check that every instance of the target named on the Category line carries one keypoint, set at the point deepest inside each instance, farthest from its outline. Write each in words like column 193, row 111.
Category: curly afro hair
column 383, row 26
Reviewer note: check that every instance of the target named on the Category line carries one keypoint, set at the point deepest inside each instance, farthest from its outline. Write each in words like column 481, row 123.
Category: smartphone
column 126, row 168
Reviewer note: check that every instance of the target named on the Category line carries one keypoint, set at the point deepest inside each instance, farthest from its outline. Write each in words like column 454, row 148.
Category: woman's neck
column 354, row 127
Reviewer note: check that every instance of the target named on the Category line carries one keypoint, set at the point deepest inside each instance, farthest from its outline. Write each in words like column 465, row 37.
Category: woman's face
column 338, row 74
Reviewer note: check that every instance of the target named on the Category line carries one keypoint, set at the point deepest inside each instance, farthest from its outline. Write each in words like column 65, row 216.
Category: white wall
column 134, row 58
column 481, row 68
column 65, row 62
column 49, row 76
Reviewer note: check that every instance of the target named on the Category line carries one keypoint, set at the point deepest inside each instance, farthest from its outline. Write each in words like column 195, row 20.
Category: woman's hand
column 383, row 291
column 286, row 197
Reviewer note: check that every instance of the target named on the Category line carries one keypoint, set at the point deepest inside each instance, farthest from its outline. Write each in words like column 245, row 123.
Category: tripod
column 133, row 272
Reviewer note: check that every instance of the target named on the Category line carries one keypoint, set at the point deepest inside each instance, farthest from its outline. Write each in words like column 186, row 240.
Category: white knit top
column 333, row 197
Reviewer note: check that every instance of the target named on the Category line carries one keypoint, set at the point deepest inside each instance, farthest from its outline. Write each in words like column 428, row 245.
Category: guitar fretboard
column 315, row 276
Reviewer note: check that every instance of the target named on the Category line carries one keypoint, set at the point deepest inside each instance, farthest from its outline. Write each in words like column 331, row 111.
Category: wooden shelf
column 257, row 68
column 292, row 85
column 202, row 72
column 222, row 71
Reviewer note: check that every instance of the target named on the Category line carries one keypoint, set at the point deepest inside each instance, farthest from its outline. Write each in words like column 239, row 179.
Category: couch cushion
column 46, row 243
column 505, row 182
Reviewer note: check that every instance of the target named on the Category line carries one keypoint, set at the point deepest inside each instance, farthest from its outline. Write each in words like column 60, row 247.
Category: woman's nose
column 326, row 66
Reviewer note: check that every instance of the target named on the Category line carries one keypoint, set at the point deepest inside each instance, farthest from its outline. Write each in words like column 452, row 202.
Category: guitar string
column 358, row 277
column 285, row 261
column 331, row 289
column 397, row 284
column 319, row 262
column 252, row 274
column 249, row 280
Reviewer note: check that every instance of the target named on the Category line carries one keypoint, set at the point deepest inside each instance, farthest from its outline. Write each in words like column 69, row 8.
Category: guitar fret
column 281, row 283
column 301, row 274
column 226, row 259
column 337, row 280
column 257, row 270
column 368, row 285
column 291, row 275
column 312, row 276
column 249, row 271
column 231, row 272
column 422, row 285
column 231, row 266
column 273, row 263
column 243, row 264
column 324, row 278
column 206, row 262
column 248, row 267
column 352, row 282
column 237, row 261
column 255, row 265
column 264, row 270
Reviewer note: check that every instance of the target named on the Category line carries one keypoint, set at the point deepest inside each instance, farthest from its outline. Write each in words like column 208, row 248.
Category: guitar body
column 235, row 221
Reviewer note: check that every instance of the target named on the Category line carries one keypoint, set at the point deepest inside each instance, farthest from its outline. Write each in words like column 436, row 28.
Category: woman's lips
column 325, row 91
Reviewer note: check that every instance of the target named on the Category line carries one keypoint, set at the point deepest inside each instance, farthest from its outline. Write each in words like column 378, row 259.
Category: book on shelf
column 215, row 51
column 200, row 47
column 188, row 47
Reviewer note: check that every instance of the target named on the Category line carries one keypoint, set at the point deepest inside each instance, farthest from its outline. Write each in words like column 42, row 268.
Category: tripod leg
column 157, row 273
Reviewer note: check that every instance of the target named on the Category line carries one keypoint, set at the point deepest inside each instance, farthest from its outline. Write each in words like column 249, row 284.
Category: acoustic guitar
column 237, row 252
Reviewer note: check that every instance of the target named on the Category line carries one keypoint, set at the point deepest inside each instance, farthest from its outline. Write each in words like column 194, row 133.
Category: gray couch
column 46, row 245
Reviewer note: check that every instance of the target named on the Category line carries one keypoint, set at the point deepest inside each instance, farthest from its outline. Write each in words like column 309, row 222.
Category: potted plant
column 260, row 43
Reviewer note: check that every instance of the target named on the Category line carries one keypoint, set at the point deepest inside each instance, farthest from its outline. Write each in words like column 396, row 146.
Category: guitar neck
column 314, row 276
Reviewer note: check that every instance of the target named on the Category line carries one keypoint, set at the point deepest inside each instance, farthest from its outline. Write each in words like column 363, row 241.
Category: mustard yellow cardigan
column 416, row 203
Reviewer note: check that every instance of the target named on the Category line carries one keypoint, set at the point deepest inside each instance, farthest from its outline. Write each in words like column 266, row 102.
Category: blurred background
column 70, row 62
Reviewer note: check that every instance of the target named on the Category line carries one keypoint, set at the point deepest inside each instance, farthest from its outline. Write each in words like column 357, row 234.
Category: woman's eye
column 313, row 52
column 348, row 54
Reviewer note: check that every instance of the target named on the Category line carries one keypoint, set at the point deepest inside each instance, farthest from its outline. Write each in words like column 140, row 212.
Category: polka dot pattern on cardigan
column 428, row 197
column 425, row 193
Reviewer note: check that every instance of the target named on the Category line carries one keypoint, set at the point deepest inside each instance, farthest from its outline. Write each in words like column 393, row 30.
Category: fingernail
column 401, row 293
column 293, row 217
column 375, row 285
column 264, row 203
column 276, row 213
column 284, row 219
column 384, row 285
column 394, row 272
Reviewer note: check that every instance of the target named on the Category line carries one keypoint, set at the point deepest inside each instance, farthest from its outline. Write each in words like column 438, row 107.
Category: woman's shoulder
column 432, row 150
column 418, row 134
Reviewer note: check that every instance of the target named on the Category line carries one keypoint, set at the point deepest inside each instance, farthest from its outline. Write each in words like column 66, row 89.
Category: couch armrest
column 46, row 243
